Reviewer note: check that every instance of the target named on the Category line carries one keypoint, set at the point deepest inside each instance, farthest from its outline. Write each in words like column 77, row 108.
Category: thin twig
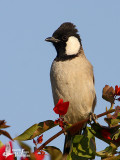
column 74, row 125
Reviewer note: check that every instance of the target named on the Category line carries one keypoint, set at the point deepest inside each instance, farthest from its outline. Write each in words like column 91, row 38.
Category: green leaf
column 26, row 135
column 35, row 130
column 55, row 153
column 83, row 146
column 102, row 132
column 75, row 157
column 25, row 147
column 116, row 135
column 1, row 144
column 116, row 138
column 113, row 120
column 113, row 158
column 69, row 157
column 46, row 125
column 107, row 152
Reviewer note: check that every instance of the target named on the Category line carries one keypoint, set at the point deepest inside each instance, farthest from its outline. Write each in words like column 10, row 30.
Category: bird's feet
column 93, row 117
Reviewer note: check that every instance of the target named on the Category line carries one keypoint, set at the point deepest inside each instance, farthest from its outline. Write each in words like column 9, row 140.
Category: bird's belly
column 80, row 101
column 76, row 87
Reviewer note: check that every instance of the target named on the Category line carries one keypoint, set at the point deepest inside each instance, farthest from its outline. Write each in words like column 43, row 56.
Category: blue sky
column 25, row 58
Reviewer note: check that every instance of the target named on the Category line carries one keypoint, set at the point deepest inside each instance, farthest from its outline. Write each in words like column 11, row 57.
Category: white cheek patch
column 72, row 46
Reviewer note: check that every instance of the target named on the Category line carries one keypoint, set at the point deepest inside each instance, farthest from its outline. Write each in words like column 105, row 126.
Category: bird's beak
column 52, row 39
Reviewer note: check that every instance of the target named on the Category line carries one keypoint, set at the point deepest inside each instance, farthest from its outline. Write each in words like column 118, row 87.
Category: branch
column 78, row 125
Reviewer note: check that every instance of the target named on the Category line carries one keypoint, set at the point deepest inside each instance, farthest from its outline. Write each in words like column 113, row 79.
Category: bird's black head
column 66, row 41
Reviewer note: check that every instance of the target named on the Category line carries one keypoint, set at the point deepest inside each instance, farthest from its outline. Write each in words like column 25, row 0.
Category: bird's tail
column 67, row 144
column 69, row 137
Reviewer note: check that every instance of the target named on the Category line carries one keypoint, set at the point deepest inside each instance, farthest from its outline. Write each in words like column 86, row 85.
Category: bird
column 72, row 77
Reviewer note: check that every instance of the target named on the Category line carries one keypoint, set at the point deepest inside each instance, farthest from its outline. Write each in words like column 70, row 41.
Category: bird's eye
column 64, row 38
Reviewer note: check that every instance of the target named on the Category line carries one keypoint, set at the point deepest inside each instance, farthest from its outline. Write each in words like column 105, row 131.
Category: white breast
column 72, row 81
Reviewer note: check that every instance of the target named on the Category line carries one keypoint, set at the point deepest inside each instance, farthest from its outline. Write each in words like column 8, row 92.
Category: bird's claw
column 93, row 117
